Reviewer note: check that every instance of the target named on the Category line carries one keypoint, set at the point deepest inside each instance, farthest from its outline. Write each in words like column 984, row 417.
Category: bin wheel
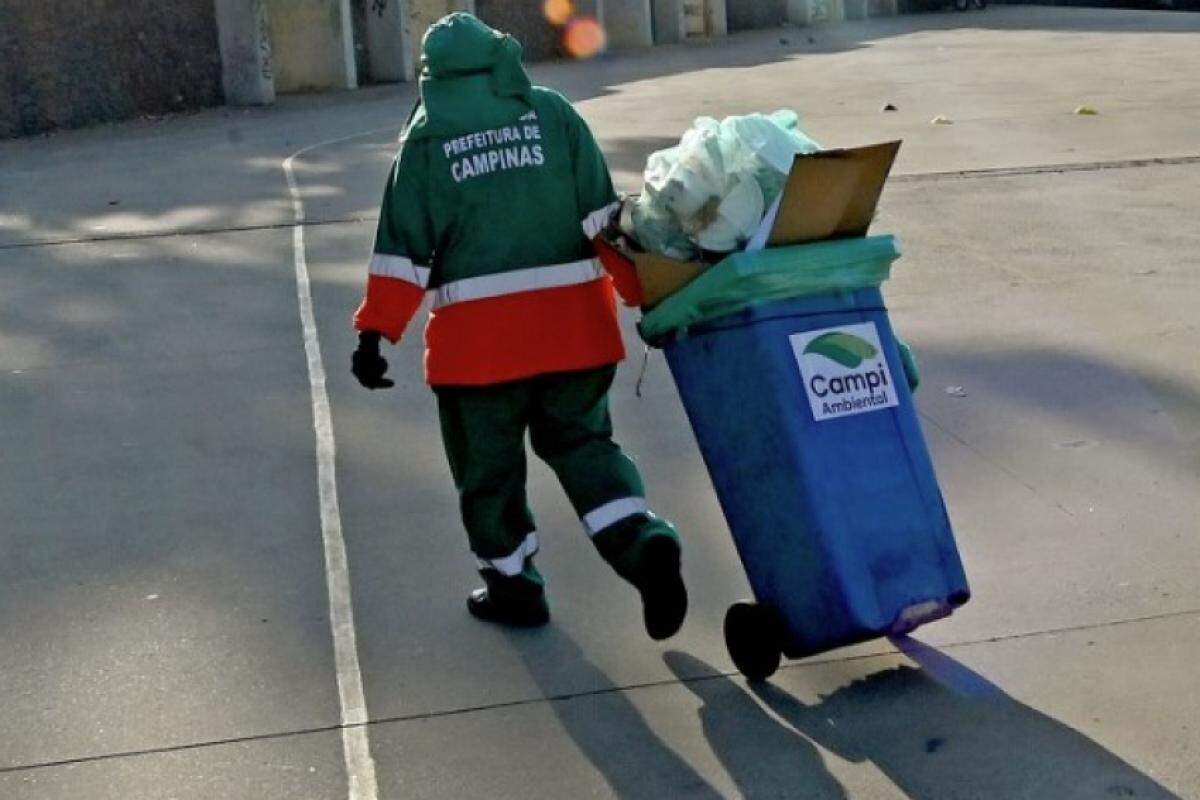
column 962, row 5
column 752, row 639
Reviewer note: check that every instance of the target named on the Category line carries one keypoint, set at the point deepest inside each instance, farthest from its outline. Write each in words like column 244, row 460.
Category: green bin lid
column 777, row 273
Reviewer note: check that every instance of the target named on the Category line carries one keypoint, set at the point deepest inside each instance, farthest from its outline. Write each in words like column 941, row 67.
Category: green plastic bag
column 779, row 273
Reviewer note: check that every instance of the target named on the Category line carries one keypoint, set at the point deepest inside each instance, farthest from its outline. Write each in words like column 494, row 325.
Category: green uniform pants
column 567, row 419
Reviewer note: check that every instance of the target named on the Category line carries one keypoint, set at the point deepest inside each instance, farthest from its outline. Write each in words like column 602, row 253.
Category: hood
column 471, row 79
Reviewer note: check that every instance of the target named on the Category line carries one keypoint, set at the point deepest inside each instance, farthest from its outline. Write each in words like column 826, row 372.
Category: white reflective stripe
column 520, row 280
column 600, row 518
column 598, row 220
column 514, row 562
column 399, row 267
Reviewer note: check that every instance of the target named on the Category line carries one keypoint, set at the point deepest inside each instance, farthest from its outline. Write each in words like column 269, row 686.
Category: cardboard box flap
column 832, row 194
column 661, row 276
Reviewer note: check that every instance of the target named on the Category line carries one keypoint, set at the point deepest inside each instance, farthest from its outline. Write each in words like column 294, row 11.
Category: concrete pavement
column 162, row 594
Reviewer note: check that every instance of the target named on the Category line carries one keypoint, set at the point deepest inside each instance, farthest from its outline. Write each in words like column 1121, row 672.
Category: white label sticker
column 844, row 370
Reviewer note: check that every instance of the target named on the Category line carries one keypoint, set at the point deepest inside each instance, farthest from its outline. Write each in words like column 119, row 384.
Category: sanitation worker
column 492, row 206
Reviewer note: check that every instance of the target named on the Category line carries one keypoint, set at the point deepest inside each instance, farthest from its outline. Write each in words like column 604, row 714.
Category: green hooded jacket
column 494, row 176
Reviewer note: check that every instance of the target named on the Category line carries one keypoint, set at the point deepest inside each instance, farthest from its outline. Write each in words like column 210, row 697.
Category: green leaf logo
column 844, row 348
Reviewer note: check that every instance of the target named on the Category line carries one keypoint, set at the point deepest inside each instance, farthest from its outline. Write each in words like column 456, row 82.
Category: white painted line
column 356, row 743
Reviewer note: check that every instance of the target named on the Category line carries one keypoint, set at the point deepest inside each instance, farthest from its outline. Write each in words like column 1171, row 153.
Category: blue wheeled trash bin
column 796, row 389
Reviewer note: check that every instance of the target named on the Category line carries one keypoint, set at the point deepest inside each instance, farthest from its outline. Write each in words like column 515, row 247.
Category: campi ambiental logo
column 844, row 348
column 844, row 370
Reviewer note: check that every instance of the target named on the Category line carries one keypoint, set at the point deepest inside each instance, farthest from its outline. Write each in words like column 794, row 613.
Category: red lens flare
column 558, row 12
column 584, row 38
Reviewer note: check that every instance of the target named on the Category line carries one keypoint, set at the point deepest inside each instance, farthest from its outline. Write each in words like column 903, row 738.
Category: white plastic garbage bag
column 738, row 215
column 711, row 190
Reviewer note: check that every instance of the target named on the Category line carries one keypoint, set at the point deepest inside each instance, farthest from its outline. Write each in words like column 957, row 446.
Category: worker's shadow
column 761, row 756
column 604, row 724
column 942, row 731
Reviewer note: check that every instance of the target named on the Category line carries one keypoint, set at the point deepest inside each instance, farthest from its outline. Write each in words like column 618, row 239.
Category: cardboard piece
column 832, row 194
column 662, row 276
column 829, row 194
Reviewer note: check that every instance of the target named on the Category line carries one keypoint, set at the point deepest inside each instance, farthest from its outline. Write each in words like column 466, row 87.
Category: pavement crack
column 174, row 748
column 569, row 696
column 798, row 665
column 915, row 177
column 134, row 236
column 185, row 362
column 1046, row 169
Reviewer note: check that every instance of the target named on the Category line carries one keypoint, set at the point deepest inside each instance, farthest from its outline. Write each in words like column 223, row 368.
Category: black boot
column 660, row 582
column 530, row 612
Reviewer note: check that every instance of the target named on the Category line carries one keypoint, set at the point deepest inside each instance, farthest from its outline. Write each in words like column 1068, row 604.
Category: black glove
column 367, row 365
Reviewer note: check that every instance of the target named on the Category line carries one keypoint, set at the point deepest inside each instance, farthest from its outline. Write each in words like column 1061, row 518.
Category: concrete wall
column 418, row 16
column 716, row 17
column 66, row 63
column 524, row 20
column 670, row 21
column 247, row 72
column 816, row 12
column 855, row 9
column 358, row 17
column 628, row 23
column 1140, row 5
column 421, row 14
column 312, row 42
column 748, row 14
column 382, row 50
column 676, row 20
